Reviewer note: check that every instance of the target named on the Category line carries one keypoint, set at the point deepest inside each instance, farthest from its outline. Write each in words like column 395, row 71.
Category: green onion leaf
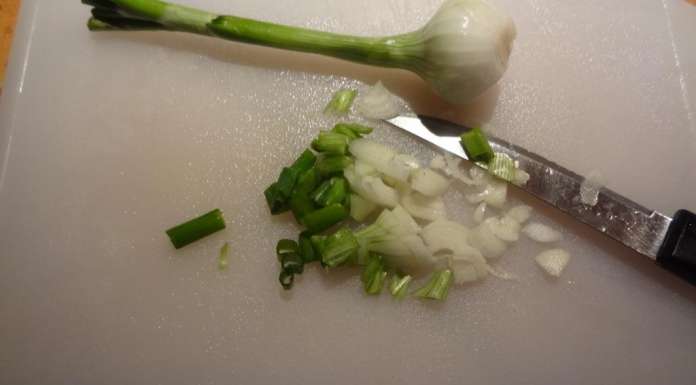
column 196, row 229
column 279, row 193
column 331, row 143
column 331, row 165
column 285, row 247
column 476, row 146
column 331, row 192
column 306, row 160
column 277, row 203
column 502, row 166
column 320, row 220
column 374, row 275
column 341, row 102
column 223, row 258
column 399, row 286
column 346, row 131
column 308, row 181
column 437, row 287
column 339, row 248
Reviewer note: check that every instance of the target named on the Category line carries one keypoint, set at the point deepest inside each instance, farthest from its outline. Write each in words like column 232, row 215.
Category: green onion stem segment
column 399, row 286
column 332, row 191
column 338, row 248
column 322, row 219
column 341, row 102
column 476, row 146
column 333, row 164
column 374, row 275
column 196, row 229
column 331, row 143
column 306, row 248
column 437, row 287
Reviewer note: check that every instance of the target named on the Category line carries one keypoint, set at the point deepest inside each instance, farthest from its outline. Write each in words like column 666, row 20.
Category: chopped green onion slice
column 358, row 129
column 341, row 102
column 308, row 181
column 306, row 160
column 286, row 279
column 374, row 275
column 399, row 286
column 285, row 247
column 331, row 192
column 306, row 248
column 502, row 166
column 301, row 205
column 277, row 203
column 344, row 130
column 331, row 165
column 339, row 248
column 223, row 258
column 196, row 229
column 476, row 146
column 437, row 287
column 292, row 263
column 331, row 143
column 320, row 220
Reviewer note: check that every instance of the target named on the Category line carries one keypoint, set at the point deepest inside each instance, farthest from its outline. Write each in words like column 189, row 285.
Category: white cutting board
column 108, row 139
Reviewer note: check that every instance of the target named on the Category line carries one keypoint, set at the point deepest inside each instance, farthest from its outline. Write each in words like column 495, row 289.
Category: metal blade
column 628, row 222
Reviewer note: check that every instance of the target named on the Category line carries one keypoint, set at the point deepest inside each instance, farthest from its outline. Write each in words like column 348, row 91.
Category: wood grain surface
column 8, row 18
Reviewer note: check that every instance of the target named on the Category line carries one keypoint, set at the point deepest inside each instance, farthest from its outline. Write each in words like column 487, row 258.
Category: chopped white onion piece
column 502, row 274
column 478, row 175
column 400, row 222
column 382, row 158
column 407, row 252
column 589, row 190
column 360, row 208
column 480, row 212
column 428, row 182
column 483, row 238
column 495, row 194
column 438, row 163
column 521, row 177
column 423, row 207
column 467, row 270
column 520, row 213
column 541, row 233
column 377, row 103
column 371, row 188
column 507, row 229
column 363, row 168
column 446, row 236
column 553, row 261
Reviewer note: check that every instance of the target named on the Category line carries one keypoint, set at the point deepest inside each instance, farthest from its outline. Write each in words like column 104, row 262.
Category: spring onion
column 224, row 257
column 461, row 52
column 306, row 248
column 195, row 229
column 476, row 146
column 374, row 275
column 341, row 102
column 437, row 287
column 301, row 205
column 399, row 286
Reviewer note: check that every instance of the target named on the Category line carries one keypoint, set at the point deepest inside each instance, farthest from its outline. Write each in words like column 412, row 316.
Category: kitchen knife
column 669, row 241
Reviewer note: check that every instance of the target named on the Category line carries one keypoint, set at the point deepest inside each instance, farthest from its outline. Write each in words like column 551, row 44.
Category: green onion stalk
column 461, row 52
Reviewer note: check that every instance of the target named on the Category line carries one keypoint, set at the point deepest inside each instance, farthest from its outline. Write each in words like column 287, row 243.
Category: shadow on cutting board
column 405, row 84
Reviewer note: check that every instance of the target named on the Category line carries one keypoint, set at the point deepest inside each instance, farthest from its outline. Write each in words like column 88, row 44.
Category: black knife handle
column 678, row 251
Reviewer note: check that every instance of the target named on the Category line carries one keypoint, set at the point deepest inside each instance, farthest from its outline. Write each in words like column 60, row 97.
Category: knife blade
column 671, row 242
